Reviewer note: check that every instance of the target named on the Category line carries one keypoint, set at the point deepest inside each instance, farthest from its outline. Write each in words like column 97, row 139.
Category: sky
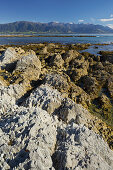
column 67, row 11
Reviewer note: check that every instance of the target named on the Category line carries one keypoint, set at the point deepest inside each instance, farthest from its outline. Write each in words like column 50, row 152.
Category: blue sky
column 82, row 11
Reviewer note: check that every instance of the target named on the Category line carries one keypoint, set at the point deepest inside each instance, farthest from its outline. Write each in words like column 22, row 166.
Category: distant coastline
column 19, row 35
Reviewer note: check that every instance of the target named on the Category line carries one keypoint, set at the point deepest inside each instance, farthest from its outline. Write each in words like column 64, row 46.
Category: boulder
column 57, row 60
column 28, row 67
column 68, row 56
column 79, row 67
column 44, row 50
column 57, row 81
column 9, row 56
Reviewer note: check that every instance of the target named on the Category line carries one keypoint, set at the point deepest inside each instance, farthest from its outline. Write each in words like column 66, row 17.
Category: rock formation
column 43, row 122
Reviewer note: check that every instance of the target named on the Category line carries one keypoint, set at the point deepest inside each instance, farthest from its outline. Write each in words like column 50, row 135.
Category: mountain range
column 54, row 27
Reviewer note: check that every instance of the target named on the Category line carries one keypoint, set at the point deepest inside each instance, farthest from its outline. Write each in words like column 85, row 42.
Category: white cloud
column 110, row 25
column 80, row 20
column 111, row 15
column 106, row 20
column 71, row 23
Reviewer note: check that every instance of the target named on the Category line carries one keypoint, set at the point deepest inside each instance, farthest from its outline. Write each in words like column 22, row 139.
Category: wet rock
column 78, row 73
column 98, row 66
column 75, row 91
column 78, row 95
column 80, row 46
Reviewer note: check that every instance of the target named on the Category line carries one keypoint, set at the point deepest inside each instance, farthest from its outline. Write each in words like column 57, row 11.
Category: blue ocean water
column 99, row 38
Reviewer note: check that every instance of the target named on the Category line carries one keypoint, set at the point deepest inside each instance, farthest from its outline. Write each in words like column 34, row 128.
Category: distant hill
column 54, row 27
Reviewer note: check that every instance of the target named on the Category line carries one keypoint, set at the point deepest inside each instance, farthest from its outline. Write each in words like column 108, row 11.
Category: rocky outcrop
column 21, row 68
column 45, row 98
column 42, row 126
column 31, row 138
column 71, row 54
column 9, row 56
column 79, row 67
column 29, row 144
column 57, row 81
column 56, row 60
column 81, row 149
column 29, row 67
column 90, row 86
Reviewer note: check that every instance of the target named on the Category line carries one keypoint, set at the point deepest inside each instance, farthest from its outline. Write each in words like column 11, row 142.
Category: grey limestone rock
column 71, row 112
column 27, row 139
column 44, row 97
column 9, row 56
column 31, row 137
column 81, row 149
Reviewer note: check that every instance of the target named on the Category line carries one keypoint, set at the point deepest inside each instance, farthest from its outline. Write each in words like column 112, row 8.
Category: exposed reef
column 56, row 108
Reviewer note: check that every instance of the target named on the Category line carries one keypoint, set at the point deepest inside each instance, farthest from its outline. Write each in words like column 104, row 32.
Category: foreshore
column 55, row 98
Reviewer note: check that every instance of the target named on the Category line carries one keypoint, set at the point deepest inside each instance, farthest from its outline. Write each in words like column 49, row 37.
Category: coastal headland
column 56, row 107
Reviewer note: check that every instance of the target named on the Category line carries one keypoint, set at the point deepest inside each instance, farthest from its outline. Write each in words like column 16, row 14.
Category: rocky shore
column 56, row 108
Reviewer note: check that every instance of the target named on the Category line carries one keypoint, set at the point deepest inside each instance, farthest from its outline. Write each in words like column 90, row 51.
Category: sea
column 94, row 39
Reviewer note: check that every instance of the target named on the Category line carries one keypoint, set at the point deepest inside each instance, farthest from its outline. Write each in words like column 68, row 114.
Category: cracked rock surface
column 32, row 138
column 47, row 130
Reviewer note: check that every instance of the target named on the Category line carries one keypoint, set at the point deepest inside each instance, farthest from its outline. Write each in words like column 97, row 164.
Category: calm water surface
column 106, row 38
column 100, row 38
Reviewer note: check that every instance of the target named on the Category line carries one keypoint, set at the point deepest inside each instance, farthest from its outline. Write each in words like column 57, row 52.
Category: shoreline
column 47, row 36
